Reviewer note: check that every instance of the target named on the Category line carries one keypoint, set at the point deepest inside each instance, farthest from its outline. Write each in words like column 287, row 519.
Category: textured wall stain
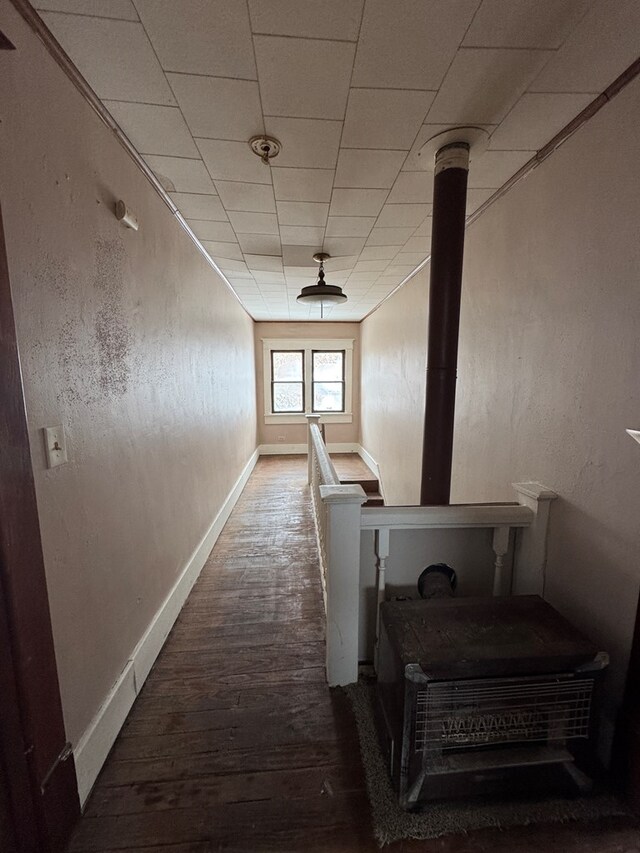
column 113, row 335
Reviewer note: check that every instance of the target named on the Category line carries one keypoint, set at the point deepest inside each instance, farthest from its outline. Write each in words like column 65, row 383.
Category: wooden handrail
column 455, row 515
column 328, row 474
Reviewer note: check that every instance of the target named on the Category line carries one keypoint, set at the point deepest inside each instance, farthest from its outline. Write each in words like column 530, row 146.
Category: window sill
column 326, row 418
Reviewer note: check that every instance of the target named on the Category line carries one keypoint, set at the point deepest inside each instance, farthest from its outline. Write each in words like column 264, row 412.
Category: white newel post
column 531, row 543
column 343, row 506
column 311, row 419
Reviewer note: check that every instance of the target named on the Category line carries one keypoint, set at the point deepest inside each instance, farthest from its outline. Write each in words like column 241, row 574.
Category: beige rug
column 391, row 823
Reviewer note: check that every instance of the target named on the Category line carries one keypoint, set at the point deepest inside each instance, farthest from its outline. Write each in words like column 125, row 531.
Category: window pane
column 327, row 366
column 327, row 397
column 287, row 366
column 287, row 397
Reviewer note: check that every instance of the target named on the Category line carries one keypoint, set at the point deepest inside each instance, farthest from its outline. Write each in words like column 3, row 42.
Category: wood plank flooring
column 236, row 743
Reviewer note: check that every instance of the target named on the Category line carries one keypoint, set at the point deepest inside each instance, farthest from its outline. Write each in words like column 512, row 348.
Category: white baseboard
column 94, row 745
column 276, row 449
column 368, row 459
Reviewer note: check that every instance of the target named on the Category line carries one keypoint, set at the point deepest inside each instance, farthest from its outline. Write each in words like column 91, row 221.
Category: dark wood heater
column 484, row 696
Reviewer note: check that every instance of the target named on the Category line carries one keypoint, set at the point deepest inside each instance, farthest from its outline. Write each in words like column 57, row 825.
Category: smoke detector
column 266, row 147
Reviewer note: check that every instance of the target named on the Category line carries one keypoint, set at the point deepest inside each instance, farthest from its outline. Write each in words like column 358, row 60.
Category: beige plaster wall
column 297, row 433
column 134, row 344
column 548, row 370
column 392, row 387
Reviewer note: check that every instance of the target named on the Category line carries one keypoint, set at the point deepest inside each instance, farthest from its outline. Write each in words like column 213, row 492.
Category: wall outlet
column 281, row 438
column 55, row 446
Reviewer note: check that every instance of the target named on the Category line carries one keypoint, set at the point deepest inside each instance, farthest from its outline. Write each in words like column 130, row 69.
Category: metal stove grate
column 455, row 715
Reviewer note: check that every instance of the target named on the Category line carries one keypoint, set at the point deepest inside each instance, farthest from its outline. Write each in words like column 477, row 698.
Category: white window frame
column 325, row 345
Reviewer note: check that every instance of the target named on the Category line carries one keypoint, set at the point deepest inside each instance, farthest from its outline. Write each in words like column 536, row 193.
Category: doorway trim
column 41, row 779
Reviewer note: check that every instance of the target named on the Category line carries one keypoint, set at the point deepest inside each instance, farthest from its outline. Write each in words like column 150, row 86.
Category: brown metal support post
column 447, row 248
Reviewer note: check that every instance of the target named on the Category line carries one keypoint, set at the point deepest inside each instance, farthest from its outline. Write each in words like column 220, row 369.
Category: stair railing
column 337, row 516
column 340, row 519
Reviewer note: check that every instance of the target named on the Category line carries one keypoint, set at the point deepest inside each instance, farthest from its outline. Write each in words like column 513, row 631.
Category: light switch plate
column 55, row 446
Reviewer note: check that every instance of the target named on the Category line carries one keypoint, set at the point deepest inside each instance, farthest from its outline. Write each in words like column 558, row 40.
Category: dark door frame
column 35, row 759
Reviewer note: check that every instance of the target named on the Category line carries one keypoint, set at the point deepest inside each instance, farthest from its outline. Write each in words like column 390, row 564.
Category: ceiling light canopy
column 321, row 292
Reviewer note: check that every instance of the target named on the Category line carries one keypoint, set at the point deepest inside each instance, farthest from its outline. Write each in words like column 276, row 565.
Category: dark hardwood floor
column 236, row 743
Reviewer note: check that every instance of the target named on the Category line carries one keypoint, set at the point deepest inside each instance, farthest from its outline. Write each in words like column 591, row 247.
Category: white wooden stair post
column 531, row 544
column 343, row 506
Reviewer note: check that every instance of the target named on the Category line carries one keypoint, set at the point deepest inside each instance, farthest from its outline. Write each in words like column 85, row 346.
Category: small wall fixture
column 325, row 294
column 634, row 433
column 123, row 214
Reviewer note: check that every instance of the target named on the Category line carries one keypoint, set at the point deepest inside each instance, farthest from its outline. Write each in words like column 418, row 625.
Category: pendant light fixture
column 321, row 292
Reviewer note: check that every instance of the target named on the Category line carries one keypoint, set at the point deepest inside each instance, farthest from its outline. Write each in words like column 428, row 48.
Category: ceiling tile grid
column 352, row 89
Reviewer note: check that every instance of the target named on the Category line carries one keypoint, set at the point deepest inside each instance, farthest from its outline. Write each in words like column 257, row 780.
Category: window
column 287, row 381
column 304, row 377
column 327, row 381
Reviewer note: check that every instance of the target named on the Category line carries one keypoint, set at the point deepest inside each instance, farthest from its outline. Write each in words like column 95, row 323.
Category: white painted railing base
column 94, row 745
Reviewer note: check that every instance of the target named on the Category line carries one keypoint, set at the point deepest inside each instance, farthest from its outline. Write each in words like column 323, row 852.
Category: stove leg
column 583, row 783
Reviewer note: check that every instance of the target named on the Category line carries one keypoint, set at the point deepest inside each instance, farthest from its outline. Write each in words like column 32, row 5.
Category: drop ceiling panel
column 369, row 169
column 116, row 57
column 392, row 46
column 345, row 246
column 199, row 206
column 308, row 143
column 370, row 266
column 302, row 213
column 297, row 258
column 331, row 19
column 253, row 223
column 404, row 113
column 299, row 235
column 154, row 129
column 482, row 85
column 179, row 174
column 200, row 36
column 385, row 253
column 389, row 236
column 238, row 269
column 325, row 67
column 509, row 23
column 264, row 263
column 218, row 249
column 412, row 258
column 302, row 184
column 424, row 229
column 206, row 229
column 260, row 244
column 233, row 161
column 350, row 226
column 412, row 188
column 348, row 202
column 393, row 215
column 418, row 243
column 536, row 119
column 218, row 108
column 122, row 9
column 239, row 195
column 604, row 43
